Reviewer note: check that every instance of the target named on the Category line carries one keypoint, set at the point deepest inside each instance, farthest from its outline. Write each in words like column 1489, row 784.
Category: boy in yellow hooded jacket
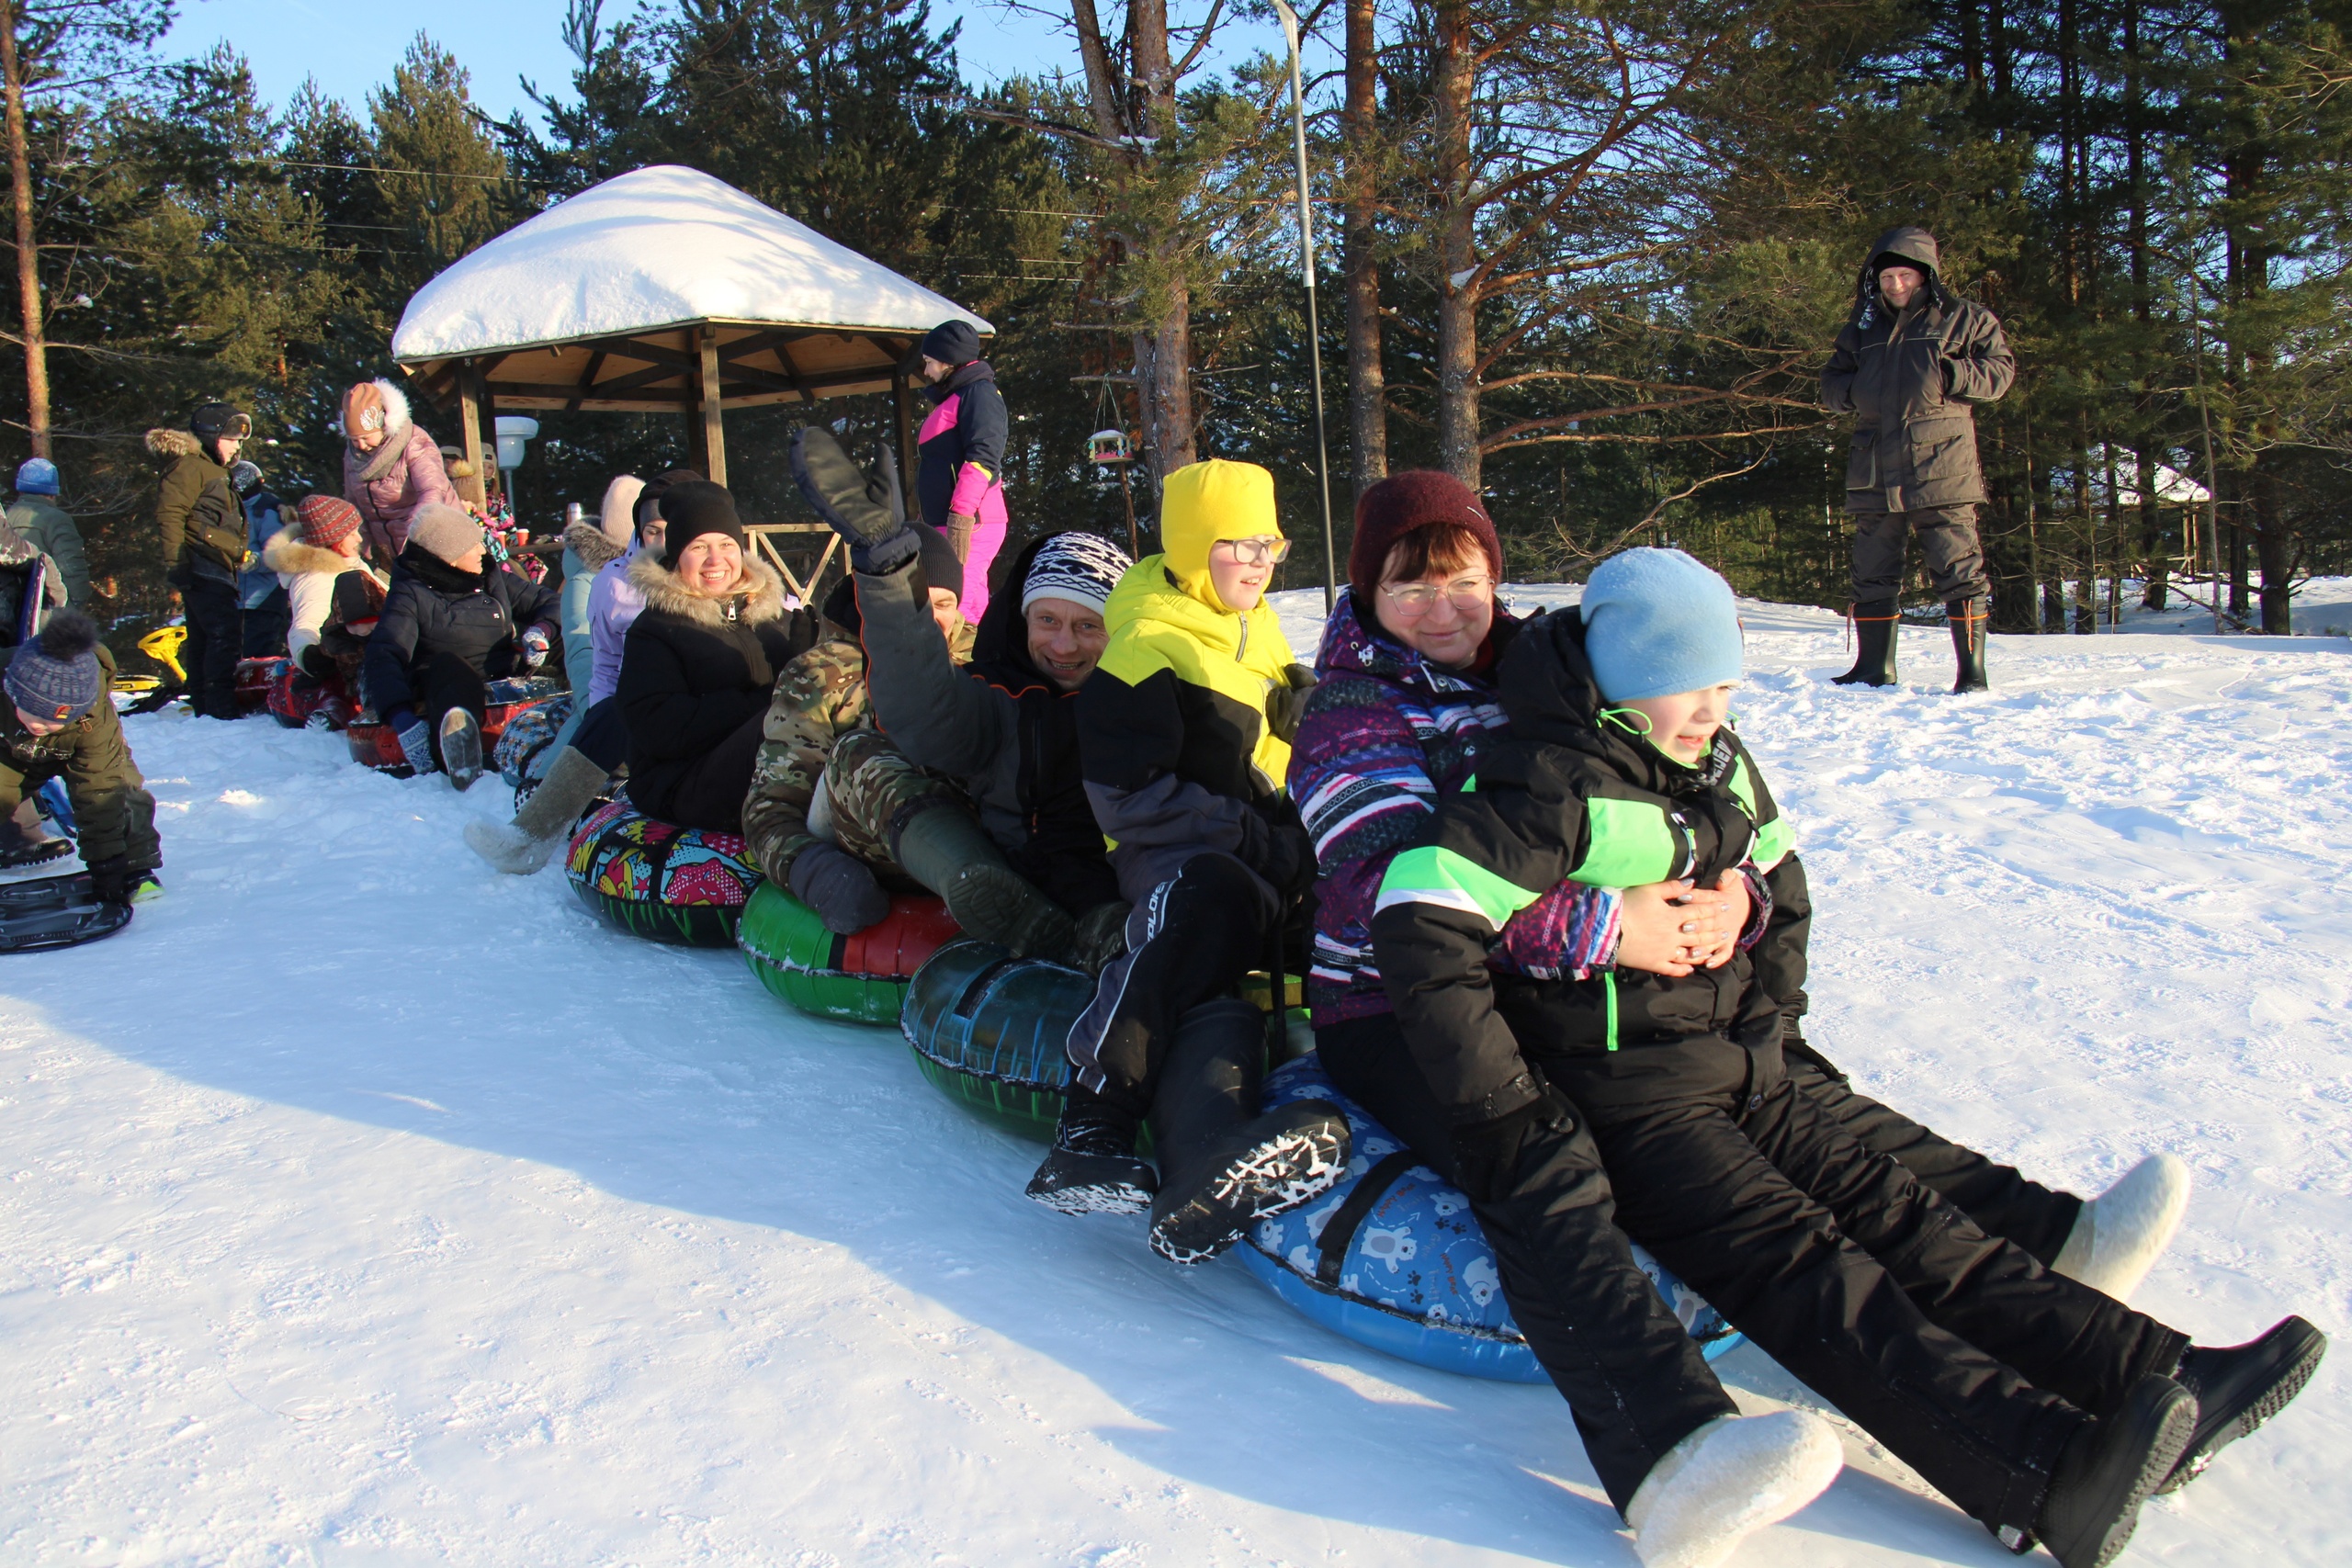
column 1184, row 737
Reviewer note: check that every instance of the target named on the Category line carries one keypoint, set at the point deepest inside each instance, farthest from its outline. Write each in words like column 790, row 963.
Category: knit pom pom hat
column 1658, row 621
column 56, row 677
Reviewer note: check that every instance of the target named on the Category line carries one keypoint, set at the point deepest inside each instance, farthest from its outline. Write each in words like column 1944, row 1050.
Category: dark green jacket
column 1912, row 380
column 93, row 757
column 52, row 530
column 202, row 527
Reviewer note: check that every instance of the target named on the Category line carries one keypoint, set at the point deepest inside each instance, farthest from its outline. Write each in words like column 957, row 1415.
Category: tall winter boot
column 952, row 856
column 1221, row 1165
column 2119, row 1235
column 2240, row 1387
column 1727, row 1480
column 2107, row 1471
column 521, row 848
column 461, row 748
column 1968, row 616
column 1092, row 1167
column 1874, row 626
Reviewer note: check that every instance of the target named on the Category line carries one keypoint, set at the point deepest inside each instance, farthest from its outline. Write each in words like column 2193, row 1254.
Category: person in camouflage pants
column 819, row 732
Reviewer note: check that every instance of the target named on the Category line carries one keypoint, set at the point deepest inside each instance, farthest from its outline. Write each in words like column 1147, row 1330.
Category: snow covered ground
column 363, row 1206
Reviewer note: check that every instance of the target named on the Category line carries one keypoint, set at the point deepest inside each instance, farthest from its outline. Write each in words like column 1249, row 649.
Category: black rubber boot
column 1874, row 626
column 1222, row 1164
column 1968, row 618
column 1092, row 1167
column 461, row 748
column 2240, row 1387
column 954, row 856
column 2108, row 1470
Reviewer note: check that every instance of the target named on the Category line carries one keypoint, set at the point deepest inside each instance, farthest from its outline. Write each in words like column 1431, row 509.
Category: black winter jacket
column 432, row 608
column 1912, row 380
column 694, row 670
column 1566, row 796
column 976, row 436
column 997, row 725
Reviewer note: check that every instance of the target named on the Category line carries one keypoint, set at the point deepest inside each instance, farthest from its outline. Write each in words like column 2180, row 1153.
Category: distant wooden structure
column 666, row 291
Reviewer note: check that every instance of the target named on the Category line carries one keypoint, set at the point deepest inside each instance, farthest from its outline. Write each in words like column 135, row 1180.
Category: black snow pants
column 442, row 682
column 710, row 794
column 1634, row 1380
column 1955, row 559
column 603, row 736
column 215, row 637
column 1190, row 942
column 1998, row 1197
column 1955, row 1349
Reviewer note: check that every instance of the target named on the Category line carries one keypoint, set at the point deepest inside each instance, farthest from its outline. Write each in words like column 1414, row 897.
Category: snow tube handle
column 1340, row 1230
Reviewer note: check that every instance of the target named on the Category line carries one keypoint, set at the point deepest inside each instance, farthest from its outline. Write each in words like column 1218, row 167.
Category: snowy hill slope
column 363, row 1206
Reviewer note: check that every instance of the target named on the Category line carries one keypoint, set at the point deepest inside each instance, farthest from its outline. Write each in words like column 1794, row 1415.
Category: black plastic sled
column 56, row 911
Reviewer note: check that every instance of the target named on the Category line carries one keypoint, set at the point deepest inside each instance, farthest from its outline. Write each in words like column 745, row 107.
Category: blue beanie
column 37, row 476
column 1658, row 621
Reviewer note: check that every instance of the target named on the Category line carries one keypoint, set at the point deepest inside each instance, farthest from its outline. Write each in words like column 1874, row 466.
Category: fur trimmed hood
column 288, row 552
column 587, row 541
column 663, row 590
column 171, row 445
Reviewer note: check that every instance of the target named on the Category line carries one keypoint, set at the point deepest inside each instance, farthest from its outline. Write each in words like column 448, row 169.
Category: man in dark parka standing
column 1911, row 365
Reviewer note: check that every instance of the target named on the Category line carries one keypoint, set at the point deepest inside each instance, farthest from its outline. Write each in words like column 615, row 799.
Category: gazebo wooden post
column 714, row 438
column 469, row 421
column 902, row 427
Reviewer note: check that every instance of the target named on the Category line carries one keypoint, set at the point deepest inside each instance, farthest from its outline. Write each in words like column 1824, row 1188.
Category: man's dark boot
column 2107, row 1471
column 1222, row 1164
column 2240, row 1387
column 1092, row 1167
column 1968, row 616
column 1875, row 659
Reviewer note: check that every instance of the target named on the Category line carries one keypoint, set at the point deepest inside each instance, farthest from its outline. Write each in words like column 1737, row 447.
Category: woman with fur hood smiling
column 700, row 660
column 391, row 466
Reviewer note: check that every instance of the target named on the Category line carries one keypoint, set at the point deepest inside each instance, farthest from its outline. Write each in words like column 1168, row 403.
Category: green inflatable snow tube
column 859, row 978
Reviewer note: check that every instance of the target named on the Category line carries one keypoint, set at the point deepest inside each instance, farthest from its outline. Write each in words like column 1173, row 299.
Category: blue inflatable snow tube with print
column 1393, row 1258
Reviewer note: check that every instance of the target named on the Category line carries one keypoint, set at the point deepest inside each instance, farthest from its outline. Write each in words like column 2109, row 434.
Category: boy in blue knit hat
column 2041, row 1407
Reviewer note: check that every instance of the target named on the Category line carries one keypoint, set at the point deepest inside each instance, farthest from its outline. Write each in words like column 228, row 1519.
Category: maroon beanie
column 1405, row 503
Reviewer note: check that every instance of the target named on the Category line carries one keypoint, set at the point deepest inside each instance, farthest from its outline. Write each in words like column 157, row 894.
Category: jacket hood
column 174, row 444
column 1911, row 243
column 1550, row 695
column 290, row 553
column 759, row 590
column 1915, row 245
column 592, row 545
column 1354, row 644
column 616, row 515
column 1203, row 503
column 1149, row 600
column 955, row 380
column 417, row 561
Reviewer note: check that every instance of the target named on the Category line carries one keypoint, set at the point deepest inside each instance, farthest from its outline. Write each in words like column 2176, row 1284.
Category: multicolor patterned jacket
column 1384, row 735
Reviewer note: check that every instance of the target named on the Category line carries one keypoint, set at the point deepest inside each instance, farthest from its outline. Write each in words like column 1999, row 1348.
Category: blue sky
column 351, row 48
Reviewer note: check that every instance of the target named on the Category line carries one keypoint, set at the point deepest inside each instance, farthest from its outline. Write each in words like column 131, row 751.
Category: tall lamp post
column 1314, row 327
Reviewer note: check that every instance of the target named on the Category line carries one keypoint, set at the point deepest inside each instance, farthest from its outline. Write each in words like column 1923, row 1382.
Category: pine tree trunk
column 27, row 254
column 1367, row 383
column 1457, row 291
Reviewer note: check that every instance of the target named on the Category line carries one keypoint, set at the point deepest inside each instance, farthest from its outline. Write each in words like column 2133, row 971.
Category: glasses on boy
column 1256, row 552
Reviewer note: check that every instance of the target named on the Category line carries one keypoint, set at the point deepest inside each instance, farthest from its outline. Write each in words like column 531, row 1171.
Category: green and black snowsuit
column 1953, row 1349
column 115, row 814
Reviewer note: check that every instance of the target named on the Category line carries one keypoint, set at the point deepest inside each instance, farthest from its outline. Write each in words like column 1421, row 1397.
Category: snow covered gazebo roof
column 612, row 299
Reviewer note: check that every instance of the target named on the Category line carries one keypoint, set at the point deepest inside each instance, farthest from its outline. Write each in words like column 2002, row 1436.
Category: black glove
column 864, row 508
column 110, row 880
column 1485, row 1153
column 1286, row 702
column 1281, row 851
column 838, row 887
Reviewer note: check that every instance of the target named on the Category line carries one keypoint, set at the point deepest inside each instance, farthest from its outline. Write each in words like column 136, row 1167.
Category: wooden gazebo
column 664, row 290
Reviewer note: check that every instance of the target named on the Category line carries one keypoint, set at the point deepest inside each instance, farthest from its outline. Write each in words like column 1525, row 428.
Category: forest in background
column 1589, row 255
